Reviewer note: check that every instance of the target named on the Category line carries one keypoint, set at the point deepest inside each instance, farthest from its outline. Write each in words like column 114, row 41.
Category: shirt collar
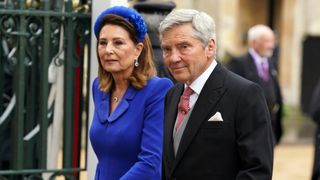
column 198, row 84
column 257, row 58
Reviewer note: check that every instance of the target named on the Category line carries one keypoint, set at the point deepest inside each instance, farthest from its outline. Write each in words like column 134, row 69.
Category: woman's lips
column 110, row 60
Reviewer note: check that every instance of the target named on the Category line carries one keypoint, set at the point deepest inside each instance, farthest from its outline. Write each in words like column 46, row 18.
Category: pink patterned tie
column 265, row 71
column 183, row 106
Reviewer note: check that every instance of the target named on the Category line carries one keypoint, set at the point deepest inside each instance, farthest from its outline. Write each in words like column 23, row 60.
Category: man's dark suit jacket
column 246, row 67
column 315, row 115
column 239, row 147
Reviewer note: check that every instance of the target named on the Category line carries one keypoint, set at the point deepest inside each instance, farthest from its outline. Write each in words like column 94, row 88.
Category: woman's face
column 117, row 51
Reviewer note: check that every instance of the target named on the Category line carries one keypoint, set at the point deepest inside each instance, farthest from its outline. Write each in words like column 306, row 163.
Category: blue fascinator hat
column 127, row 13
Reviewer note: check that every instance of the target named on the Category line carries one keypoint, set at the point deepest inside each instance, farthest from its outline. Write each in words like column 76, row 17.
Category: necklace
column 115, row 99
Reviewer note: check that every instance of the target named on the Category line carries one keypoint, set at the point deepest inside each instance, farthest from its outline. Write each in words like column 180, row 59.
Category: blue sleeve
column 149, row 161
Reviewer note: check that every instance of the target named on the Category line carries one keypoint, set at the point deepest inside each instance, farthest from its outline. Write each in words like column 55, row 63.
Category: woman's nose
column 109, row 49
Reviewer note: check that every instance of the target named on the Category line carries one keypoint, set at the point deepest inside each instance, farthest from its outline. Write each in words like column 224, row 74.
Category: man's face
column 185, row 55
column 265, row 45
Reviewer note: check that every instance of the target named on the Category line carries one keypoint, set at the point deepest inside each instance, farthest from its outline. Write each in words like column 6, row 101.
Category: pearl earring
column 136, row 63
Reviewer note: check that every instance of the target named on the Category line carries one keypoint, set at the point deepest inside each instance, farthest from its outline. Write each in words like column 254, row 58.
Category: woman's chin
column 111, row 70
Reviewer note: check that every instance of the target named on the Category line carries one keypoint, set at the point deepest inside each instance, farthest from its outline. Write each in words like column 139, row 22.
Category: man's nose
column 175, row 56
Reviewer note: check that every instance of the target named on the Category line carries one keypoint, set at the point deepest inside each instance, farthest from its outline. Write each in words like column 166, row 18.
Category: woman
column 126, row 132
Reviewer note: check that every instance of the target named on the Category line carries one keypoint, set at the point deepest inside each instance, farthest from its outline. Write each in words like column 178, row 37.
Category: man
column 256, row 66
column 220, row 127
column 315, row 115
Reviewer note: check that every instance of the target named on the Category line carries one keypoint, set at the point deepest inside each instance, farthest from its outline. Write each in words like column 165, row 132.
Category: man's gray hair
column 202, row 24
column 257, row 31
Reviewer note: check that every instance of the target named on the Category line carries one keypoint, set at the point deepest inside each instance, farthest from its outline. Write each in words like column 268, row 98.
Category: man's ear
column 138, row 49
column 211, row 48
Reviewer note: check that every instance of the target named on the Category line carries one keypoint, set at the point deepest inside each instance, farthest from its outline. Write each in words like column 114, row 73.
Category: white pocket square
column 216, row 117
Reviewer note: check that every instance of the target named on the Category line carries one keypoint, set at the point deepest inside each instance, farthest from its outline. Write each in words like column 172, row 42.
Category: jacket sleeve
column 150, row 156
column 254, row 135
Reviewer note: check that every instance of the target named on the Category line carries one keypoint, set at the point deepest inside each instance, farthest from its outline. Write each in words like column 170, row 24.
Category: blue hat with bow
column 129, row 14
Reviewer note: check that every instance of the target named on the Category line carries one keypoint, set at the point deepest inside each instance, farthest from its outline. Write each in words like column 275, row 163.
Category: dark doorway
column 310, row 69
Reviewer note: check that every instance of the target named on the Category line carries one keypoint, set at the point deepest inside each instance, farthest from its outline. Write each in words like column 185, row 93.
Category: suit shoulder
column 95, row 85
column 236, row 81
column 239, row 59
column 237, row 64
column 240, row 87
column 158, row 86
column 174, row 88
column 96, row 92
column 156, row 81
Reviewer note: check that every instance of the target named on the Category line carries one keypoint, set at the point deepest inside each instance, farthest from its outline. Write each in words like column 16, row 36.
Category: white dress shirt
column 198, row 84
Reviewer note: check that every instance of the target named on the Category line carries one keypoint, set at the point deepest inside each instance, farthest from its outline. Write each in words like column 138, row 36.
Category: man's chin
column 180, row 77
column 268, row 54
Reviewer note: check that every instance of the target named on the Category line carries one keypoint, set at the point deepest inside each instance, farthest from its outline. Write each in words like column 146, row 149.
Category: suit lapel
column 104, row 107
column 272, row 70
column 206, row 103
column 170, row 117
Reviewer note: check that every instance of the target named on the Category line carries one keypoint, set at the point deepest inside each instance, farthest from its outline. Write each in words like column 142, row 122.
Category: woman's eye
column 118, row 42
column 102, row 43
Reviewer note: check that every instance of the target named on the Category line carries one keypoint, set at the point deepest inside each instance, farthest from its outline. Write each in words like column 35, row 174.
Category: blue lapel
column 104, row 107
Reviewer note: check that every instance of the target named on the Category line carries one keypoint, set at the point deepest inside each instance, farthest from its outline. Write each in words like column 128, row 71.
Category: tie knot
column 184, row 100
column 183, row 105
column 264, row 64
column 187, row 92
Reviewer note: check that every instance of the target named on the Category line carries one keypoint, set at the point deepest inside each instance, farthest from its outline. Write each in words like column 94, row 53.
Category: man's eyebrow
column 177, row 44
column 164, row 45
column 183, row 43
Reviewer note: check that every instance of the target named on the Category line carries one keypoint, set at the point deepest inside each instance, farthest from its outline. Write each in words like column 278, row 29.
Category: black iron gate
column 44, row 71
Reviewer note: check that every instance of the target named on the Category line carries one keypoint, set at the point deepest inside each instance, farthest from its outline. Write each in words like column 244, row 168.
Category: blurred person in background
column 315, row 115
column 153, row 13
column 127, row 128
column 256, row 66
column 217, row 125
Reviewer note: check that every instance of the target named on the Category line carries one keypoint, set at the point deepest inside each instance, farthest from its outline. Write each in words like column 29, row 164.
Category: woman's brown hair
column 140, row 74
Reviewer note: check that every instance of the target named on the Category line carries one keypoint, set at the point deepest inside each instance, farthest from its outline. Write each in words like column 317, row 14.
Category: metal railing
column 44, row 69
